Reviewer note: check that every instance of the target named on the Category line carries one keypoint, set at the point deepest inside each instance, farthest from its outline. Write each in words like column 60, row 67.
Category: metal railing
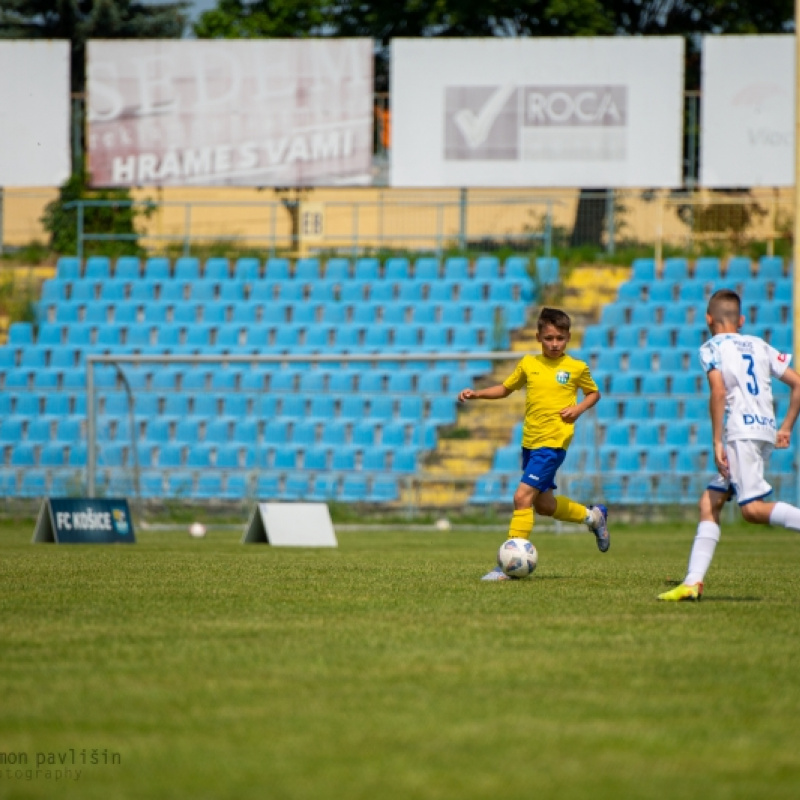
column 386, row 221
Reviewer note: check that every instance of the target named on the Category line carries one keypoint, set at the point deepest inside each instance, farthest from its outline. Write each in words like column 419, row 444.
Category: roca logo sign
column 576, row 106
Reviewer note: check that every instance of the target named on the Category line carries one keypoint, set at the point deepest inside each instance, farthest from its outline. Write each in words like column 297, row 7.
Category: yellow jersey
column 553, row 385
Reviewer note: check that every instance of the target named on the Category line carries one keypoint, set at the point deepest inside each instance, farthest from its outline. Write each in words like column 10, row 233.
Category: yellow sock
column 521, row 524
column 570, row 511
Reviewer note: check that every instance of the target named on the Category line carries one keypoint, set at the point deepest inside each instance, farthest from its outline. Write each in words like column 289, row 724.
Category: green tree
column 81, row 20
column 119, row 216
column 267, row 19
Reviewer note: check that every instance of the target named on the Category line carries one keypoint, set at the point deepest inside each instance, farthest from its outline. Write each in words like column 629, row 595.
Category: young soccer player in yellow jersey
column 551, row 410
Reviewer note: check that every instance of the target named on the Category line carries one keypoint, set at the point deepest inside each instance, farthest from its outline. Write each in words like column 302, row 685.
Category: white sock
column 785, row 515
column 705, row 542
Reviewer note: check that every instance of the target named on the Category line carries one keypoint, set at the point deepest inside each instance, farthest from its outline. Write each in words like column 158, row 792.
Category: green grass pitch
column 386, row 669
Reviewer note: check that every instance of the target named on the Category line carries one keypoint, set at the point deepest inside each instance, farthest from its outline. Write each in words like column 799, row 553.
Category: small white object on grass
column 443, row 524
column 197, row 530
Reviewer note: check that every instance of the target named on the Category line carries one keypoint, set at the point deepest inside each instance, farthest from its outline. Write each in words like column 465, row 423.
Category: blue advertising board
column 85, row 520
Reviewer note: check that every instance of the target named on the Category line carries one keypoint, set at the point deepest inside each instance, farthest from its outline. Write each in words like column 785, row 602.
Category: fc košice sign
column 71, row 520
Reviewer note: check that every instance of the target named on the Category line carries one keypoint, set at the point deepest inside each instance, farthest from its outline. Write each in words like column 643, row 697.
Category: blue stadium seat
column 97, row 268
column 781, row 339
column 209, row 485
column 426, row 313
column 646, row 313
column 739, row 269
column 647, row 434
column 33, row 483
column 157, row 268
column 456, row 269
column 473, row 292
column 247, row 270
column 217, row 269
column 659, row 337
column 707, row 269
column 487, row 268
column 516, row 268
column 367, row 269
column 20, row 334
column 337, row 269
column 433, row 339
column 396, row 269
column 675, row 270
column 770, row 268
column 323, row 488
column 691, row 336
column 353, row 489
column 410, row 292
column 128, row 268
column 306, row 270
column 396, row 314
column 631, row 291
column 187, row 268
column 489, row 489
column 644, row 269
column 677, row 433
column 68, row 268
column 613, row 314
column 277, row 269
column 343, row 459
column 404, row 459
column 427, row 269
column 547, row 270
column 383, row 490
column 53, row 292
column 443, row 292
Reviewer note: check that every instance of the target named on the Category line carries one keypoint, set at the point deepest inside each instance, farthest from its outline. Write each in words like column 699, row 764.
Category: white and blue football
column 517, row 558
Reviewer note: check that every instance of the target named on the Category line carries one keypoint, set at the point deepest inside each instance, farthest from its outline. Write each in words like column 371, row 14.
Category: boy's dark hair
column 725, row 306
column 555, row 317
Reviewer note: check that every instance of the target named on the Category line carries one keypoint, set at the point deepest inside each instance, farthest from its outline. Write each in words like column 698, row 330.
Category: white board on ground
column 291, row 525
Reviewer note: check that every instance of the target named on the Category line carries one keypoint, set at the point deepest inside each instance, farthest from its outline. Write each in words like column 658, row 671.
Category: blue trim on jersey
column 539, row 467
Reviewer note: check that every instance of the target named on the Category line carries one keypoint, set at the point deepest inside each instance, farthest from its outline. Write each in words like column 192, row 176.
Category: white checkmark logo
column 476, row 127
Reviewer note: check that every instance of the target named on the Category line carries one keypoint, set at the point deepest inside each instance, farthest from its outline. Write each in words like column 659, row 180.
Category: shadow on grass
column 731, row 599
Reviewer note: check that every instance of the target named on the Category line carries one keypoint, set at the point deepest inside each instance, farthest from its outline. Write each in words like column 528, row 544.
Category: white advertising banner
column 248, row 113
column 747, row 111
column 34, row 120
column 537, row 112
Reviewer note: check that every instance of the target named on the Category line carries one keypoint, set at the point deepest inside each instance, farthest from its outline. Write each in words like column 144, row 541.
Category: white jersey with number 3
column 747, row 365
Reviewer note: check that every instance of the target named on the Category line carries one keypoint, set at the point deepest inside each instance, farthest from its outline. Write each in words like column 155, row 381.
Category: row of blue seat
column 664, row 336
column 255, row 379
column 200, row 456
column 160, row 429
column 175, row 293
column 205, row 484
column 616, row 488
column 233, row 336
column 692, row 291
column 423, row 313
column 305, row 269
column 710, row 268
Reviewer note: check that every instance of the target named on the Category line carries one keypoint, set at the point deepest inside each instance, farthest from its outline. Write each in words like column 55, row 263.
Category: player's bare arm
column 497, row 392
column 716, row 406
column 572, row 413
column 784, row 432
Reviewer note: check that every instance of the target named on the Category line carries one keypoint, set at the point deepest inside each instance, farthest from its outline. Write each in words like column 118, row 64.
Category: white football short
column 747, row 459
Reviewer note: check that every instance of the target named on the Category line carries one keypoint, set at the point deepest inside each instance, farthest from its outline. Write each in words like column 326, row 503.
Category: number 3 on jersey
column 751, row 387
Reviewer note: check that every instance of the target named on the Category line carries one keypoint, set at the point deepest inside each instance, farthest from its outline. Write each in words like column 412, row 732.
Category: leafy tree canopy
column 80, row 20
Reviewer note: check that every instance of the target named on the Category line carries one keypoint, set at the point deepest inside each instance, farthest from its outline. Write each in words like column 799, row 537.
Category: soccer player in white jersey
column 739, row 369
